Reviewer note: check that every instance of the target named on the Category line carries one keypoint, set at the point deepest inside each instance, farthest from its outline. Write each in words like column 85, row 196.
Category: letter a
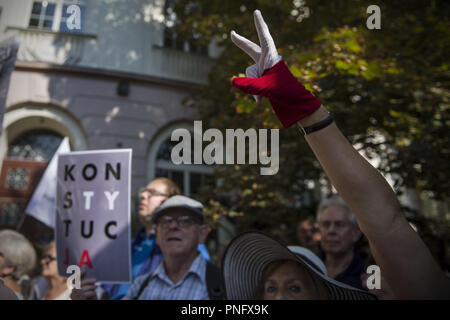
column 74, row 21
column 76, row 276
column 85, row 259
column 374, row 21
column 373, row 281
column 183, row 146
column 215, row 147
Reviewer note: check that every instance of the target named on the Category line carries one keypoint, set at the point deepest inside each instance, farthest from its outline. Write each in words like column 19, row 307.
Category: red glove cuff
column 290, row 100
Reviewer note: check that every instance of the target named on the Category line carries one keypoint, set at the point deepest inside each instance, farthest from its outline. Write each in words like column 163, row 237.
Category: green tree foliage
column 388, row 90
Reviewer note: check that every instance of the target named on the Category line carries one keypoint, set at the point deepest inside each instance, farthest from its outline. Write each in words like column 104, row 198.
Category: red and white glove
column 271, row 78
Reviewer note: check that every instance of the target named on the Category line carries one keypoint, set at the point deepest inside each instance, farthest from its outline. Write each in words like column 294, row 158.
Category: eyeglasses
column 151, row 192
column 182, row 221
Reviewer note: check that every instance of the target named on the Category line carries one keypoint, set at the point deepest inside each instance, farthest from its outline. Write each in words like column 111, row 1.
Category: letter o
column 94, row 172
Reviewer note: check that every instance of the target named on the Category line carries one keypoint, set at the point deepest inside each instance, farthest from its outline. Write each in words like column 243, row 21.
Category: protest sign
column 92, row 226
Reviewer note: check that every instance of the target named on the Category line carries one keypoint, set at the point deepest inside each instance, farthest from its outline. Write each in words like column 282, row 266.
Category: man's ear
column 203, row 233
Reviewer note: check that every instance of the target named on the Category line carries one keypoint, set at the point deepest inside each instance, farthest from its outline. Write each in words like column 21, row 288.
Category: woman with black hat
column 255, row 266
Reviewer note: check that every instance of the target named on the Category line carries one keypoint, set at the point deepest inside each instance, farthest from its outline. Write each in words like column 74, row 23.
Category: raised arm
column 404, row 260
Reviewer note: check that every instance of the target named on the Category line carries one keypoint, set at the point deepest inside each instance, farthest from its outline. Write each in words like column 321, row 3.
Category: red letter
column 66, row 261
column 85, row 259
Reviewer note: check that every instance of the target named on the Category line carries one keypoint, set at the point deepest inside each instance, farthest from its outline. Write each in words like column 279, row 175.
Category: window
column 11, row 214
column 193, row 45
column 42, row 15
column 34, row 145
column 54, row 15
column 190, row 178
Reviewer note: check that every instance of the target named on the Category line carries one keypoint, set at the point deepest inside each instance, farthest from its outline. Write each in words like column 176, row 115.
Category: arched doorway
column 31, row 135
column 25, row 162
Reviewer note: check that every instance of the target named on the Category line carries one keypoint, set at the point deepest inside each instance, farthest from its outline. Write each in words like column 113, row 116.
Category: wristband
column 316, row 126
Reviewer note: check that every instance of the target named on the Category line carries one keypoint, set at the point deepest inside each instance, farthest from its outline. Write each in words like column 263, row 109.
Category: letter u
column 91, row 229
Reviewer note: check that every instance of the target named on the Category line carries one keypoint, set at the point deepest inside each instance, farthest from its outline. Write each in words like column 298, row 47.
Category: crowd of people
column 170, row 261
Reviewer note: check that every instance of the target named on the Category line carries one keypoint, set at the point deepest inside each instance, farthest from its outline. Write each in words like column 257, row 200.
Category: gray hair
column 335, row 201
column 17, row 252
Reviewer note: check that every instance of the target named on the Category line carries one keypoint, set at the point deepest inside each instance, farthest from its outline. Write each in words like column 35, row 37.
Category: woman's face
column 289, row 281
column 48, row 262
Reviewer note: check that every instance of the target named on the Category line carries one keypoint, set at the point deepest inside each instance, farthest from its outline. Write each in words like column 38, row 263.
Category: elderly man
column 183, row 273
column 339, row 234
column 146, row 254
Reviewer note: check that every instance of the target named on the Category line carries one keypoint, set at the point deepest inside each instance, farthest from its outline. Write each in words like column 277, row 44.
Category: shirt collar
column 198, row 268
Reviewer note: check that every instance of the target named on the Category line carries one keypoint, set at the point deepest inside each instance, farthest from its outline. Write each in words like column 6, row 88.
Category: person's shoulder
column 6, row 293
column 358, row 264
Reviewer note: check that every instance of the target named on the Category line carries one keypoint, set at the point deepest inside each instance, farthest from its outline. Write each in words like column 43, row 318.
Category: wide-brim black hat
column 249, row 253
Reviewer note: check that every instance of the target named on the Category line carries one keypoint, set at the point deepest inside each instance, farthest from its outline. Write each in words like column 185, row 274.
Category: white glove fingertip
column 252, row 49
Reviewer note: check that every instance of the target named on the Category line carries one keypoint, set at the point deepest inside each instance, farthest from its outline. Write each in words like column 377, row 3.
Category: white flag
column 42, row 205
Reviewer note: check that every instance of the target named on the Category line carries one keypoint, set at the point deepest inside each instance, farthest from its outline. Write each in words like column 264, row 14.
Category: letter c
column 109, row 235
